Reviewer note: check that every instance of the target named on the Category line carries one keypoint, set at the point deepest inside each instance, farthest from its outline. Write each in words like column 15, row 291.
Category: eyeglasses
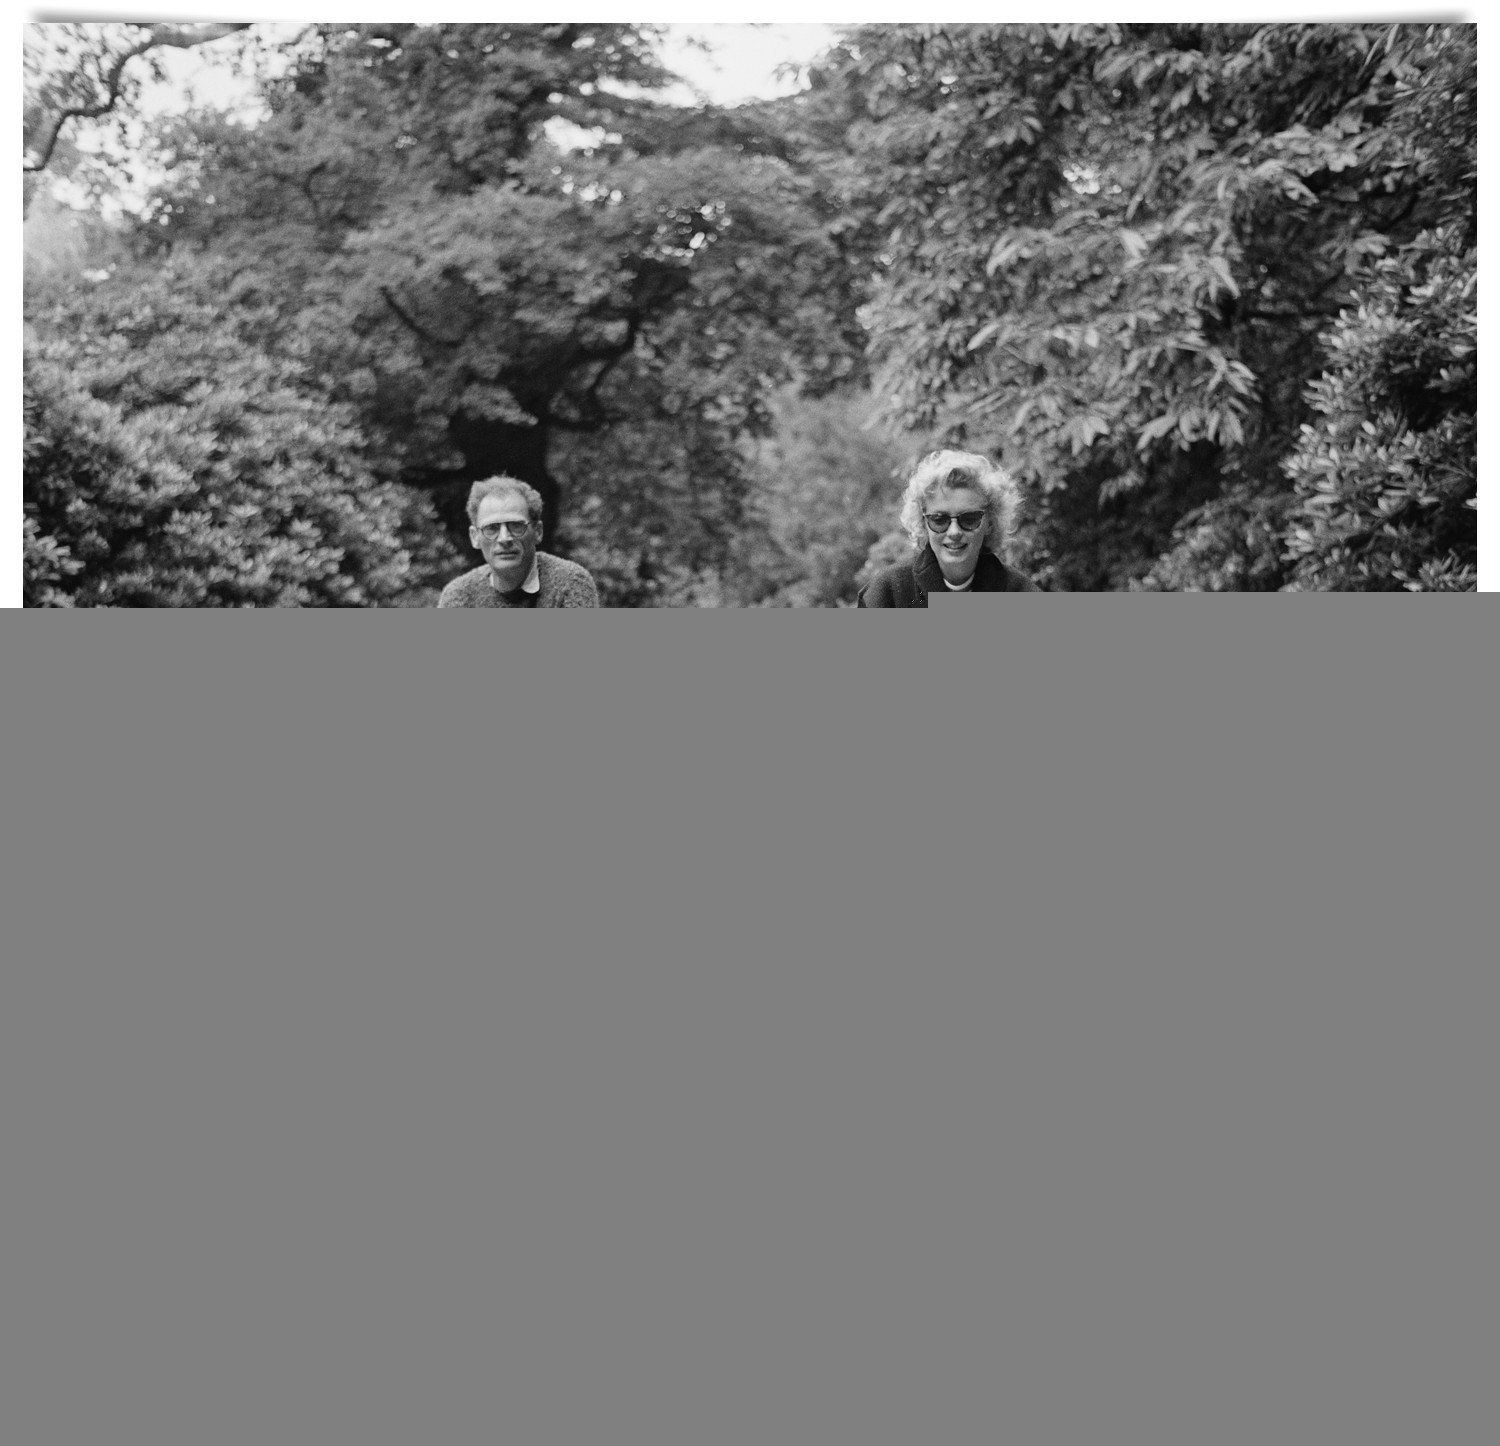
column 939, row 521
column 492, row 530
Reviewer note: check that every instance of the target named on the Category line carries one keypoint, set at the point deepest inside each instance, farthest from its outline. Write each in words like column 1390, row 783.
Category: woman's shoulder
column 997, row 575
column 893, row 586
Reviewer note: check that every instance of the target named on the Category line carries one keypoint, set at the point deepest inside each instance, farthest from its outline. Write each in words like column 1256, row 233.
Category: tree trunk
column 494, row 449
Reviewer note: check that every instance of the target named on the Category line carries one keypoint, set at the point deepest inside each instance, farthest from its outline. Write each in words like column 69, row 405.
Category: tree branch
column 611, row 352
column 180, row 37
column 416, row 326
column 566, row 424
column 1252, row 313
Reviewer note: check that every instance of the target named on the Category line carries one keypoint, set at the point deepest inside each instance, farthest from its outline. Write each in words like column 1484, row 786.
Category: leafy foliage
column 1117, row 254
column 601, row 323
column 1386, row 481
column 173, row 462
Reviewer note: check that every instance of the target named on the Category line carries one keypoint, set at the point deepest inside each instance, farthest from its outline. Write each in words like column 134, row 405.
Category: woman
column 958, row 509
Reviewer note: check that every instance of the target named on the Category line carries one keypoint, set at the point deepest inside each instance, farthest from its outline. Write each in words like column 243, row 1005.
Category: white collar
column 533, row 581
column 961, row 586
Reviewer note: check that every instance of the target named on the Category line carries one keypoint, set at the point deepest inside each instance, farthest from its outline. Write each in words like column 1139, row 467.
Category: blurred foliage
column 65, row 248
column 813, row 493
column 1124, row 257
column 828, row 481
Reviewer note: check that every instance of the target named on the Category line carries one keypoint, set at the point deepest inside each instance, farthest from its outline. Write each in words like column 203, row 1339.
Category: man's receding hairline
column 499, row 494
column 487, row 487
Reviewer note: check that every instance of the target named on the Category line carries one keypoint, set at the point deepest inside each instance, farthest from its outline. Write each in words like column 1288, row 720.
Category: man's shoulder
column 569, row 581
column 561, row 567
column 471, row 589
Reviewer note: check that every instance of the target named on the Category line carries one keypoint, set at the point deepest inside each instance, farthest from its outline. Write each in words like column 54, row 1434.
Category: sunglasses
column 492, row 530
column 939, row 521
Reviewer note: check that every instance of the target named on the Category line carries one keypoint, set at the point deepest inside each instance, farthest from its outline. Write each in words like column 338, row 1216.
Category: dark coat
column 906, row 584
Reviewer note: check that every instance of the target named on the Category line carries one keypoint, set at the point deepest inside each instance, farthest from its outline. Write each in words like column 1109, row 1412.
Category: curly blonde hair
column 962, row 469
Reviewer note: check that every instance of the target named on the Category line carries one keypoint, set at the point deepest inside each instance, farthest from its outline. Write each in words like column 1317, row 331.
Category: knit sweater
column 906, row 584
column 564, row 585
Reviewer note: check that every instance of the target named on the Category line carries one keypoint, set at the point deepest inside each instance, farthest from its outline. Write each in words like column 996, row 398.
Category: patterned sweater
column 564, row 585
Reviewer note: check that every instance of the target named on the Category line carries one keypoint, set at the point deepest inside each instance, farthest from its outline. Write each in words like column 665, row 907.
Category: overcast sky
column 744, row 57
column 726, row 64
column 740, row 64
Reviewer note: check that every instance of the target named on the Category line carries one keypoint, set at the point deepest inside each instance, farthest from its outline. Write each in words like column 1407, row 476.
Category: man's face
column 957, row 551
column 504, row 533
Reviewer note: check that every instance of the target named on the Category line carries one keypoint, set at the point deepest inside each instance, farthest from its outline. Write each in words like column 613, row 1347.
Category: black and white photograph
column 1070, row 1030
column 543, row 314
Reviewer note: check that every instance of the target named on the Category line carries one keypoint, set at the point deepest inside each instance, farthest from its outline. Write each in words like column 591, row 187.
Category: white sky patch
column 206, row 76
column 743, row 60
column 720, row 64
column 741, row 63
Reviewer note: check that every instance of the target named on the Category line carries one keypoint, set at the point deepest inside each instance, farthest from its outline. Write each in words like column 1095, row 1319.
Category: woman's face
column 957, row 551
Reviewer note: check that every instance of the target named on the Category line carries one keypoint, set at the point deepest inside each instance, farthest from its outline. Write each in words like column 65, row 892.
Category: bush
column 1386, row 479
column 171, row 462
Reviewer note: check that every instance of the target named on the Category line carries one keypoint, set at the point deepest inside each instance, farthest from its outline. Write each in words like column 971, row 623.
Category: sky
column 722, row 63
column 744, row 58
column 740, row 64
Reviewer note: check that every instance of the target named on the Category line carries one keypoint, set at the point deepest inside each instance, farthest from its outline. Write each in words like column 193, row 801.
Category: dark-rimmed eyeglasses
column 491, row 531
column 939, row 521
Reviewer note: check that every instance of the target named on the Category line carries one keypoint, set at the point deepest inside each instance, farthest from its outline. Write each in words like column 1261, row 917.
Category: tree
column 612, row 318
column 84, row 71
column 1118, row 255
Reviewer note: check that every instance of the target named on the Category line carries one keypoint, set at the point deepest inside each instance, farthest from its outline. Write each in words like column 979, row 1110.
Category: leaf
column 1154, row 430
column 1004, row 251
column 1220, row 268
column 1086, row 429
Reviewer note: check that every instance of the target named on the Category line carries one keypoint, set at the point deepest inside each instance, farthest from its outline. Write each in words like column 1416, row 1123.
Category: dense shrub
column 1386, row 481
column 1206, row 288
column 172, row 462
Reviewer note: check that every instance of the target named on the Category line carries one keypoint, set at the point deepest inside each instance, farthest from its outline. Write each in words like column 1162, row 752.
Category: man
column 505, row 524
column 958, row 510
